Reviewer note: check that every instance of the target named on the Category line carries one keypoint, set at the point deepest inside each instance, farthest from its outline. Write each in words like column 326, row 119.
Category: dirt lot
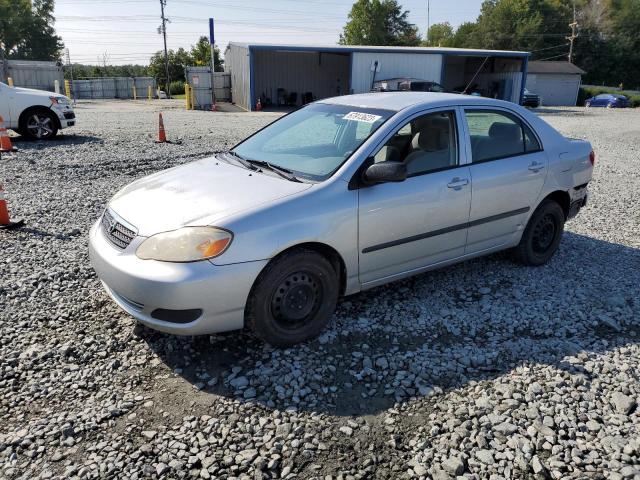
column 483, row 370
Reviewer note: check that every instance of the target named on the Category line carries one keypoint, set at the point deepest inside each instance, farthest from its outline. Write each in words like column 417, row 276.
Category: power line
column 574, row 35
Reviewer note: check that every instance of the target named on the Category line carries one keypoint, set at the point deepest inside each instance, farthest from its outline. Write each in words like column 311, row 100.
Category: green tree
column 379, row 22
column 201, row 54
column 439, row 35
column 26, row 30
column 178, row 61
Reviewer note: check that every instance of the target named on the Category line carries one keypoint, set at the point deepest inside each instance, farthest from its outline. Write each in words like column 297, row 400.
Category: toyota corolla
column 340, row 196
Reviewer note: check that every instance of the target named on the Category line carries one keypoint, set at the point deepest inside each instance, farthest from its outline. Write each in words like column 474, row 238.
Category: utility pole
column 428, row 18
column 212, row 41
column 163, row 4
column 574, row 34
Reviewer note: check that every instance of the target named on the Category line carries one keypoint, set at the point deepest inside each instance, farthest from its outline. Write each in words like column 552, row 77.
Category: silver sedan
column 339, row 196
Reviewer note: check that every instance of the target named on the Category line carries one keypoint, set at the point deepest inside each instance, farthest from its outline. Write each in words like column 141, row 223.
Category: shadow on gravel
column 25, row 143
column 434, row 332
column 557, row 112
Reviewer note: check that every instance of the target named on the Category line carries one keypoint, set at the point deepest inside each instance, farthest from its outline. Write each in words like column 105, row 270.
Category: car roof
column 400, row 100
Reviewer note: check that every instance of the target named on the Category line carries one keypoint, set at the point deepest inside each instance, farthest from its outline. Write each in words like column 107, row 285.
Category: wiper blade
column 283, row 172
column 241, row 160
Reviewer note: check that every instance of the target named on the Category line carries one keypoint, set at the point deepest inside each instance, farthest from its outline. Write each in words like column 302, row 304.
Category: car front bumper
column 66, row 115
column 142, row 287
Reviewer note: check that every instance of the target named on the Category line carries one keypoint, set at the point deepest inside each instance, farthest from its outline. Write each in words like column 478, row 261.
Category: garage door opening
column 493, row 77
column 284, row 80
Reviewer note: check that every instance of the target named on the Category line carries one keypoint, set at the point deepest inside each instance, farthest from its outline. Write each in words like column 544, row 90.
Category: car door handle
column 536, row 167
column 457, row 183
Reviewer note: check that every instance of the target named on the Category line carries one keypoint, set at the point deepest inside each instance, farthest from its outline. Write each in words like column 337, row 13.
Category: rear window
column 496, row 135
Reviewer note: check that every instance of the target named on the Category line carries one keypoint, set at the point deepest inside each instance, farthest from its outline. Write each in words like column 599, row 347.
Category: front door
column 508, row 171
column 421, row 221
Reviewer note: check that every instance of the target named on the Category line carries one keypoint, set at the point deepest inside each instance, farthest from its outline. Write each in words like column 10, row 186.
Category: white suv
column 35, row 114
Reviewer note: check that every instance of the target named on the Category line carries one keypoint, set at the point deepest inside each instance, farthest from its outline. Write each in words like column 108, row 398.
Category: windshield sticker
column 362, row 117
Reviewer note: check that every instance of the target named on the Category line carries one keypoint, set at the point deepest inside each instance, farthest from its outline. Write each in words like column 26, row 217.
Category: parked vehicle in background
column 608, row 100
column 414, row 85
column 407, row 84
column 36, row 114
column 530, row 99
column 340, row 196
column 162, row 95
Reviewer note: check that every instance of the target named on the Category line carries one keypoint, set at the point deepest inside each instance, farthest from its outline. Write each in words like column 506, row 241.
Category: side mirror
column 386, row 172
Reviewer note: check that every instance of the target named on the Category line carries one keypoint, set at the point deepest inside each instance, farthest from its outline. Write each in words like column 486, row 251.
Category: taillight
column 592, row 158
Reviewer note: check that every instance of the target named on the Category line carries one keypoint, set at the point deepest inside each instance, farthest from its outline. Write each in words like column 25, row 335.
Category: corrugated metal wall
column 323, row 74
column 426, row 66
column 113, row 87
column 507, row 73
column 202, row 86
column 236, row 62
column 38, row 75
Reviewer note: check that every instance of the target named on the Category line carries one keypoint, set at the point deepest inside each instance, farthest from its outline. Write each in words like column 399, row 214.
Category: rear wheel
column 39, row 124
column 293, row 299
column 542, row 235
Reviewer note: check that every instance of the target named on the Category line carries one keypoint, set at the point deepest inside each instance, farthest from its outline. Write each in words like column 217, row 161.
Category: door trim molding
column 442, row 231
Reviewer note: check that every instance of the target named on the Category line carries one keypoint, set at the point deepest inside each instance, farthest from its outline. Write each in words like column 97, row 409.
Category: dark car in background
column 608, row 100
column 408, row 84
column 530, row 99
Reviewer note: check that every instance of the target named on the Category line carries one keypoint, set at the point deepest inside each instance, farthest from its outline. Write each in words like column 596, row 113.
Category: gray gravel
column 484, row 370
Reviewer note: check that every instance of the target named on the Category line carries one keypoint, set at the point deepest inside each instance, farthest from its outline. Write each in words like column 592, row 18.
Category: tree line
column 607, row 46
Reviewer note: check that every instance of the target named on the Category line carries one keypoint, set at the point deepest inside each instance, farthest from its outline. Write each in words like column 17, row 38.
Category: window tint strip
column 443, row 231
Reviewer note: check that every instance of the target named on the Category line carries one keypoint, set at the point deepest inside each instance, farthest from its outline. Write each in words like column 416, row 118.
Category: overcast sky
column 126, row 30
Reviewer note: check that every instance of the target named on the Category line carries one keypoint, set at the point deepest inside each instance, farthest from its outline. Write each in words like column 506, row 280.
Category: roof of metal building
column 554, row 67
column 379, row 49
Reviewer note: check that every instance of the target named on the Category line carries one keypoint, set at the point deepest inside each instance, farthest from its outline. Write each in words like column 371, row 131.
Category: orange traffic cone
column 162, row 136
column 5, row 141
column 214, row 107
column 5, row 222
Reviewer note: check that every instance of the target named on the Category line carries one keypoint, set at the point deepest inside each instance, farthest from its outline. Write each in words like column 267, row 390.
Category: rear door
column 508, row 171
column 4, row 105
column 421, row 221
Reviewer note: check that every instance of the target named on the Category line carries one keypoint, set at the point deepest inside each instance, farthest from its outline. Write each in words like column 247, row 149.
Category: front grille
column 116, row 232
column 69, row 115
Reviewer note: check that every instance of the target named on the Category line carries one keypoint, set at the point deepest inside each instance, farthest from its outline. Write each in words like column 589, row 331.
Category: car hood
column 37, row 93
column 199, row 193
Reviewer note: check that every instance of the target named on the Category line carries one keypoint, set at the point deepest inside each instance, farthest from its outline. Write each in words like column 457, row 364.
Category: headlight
column 189, row 244
column 60, row 100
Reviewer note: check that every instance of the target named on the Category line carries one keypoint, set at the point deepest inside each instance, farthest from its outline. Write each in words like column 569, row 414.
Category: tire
column 293, row 298
column 587, row 105
column 39, row 124
column 541, row 237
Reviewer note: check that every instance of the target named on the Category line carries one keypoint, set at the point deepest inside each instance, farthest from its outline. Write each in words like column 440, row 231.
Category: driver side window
column 425, row 144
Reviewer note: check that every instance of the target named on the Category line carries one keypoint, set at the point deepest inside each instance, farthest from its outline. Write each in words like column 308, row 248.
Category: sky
column 125, row 31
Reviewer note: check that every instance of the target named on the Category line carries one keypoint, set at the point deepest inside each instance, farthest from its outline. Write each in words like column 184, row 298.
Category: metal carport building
column 271, row 72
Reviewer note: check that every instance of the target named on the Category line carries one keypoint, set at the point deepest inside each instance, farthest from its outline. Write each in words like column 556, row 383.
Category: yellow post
column 149, row 92
column 67, row 88
column 10, row 81
column 187, row 96
column 193, row 97
column 135, row 93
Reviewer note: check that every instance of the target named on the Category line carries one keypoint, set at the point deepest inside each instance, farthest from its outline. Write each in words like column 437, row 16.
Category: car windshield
column 314, row 141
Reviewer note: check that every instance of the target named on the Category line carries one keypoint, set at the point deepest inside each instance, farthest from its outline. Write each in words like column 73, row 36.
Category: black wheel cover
column 296, row 300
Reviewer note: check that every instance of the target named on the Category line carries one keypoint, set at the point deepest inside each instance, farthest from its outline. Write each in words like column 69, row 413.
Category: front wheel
column 542, row 235
column 293, row 298
column 39, row 125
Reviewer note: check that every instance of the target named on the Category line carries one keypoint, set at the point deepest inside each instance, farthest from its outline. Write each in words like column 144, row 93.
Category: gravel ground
column 483, row 370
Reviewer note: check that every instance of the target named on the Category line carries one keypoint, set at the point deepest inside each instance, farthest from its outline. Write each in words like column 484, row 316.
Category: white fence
column 30, row 74
column 113, row 87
